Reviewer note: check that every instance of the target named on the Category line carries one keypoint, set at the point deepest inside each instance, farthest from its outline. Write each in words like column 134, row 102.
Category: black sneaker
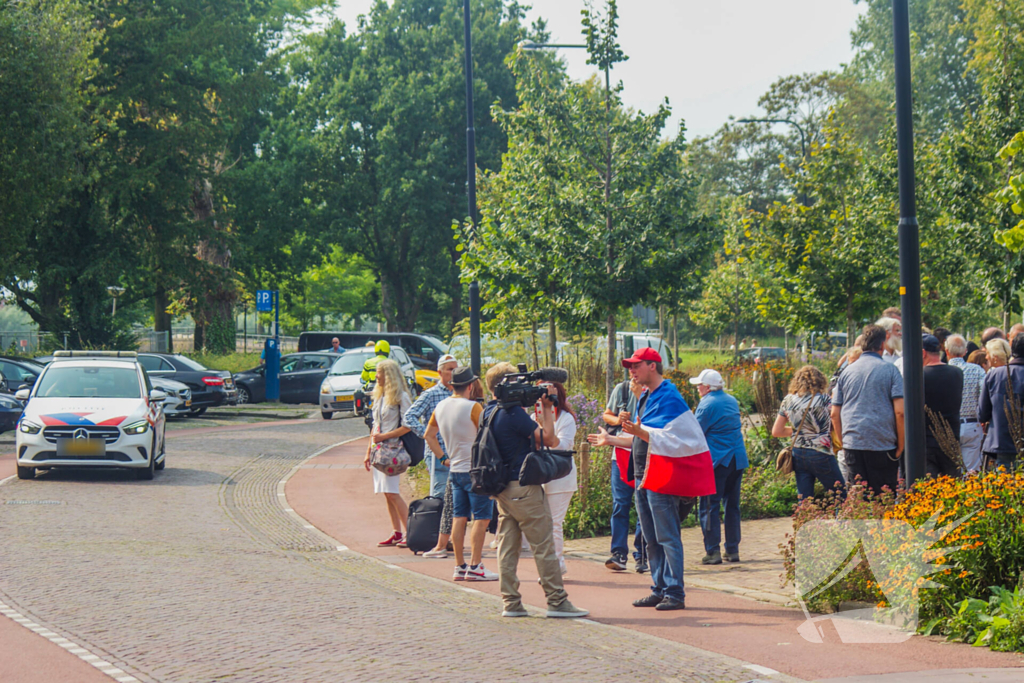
column 616, row 563
column 651, row 600
column 731, row 557
column 712, row 558
column 641, row 567
column 670, row 604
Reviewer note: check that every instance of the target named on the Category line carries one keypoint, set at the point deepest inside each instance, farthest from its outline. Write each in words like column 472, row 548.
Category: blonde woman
column 998, row 351
column 807, row 408
column 391, row 400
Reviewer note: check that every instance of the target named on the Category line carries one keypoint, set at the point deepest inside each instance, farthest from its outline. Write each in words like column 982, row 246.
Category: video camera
column 519, row 388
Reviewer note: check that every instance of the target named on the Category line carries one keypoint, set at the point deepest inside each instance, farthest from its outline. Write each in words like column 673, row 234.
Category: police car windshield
column 350, row 363
column 89, row 382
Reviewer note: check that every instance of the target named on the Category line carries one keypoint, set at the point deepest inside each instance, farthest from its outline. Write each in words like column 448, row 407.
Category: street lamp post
column 474, row 287
column 910, row 260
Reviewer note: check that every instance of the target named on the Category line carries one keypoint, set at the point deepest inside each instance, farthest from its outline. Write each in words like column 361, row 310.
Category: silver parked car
column 179, row 397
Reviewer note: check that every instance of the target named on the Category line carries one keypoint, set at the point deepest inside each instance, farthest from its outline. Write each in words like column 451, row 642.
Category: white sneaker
column 435, row 553
column 480, row 573
column 460, row 572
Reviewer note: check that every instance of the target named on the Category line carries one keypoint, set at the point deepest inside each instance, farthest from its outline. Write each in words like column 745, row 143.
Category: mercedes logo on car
column 81, row 434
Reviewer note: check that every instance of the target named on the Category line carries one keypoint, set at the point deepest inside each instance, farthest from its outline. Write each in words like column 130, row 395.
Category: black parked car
column 301, row 376
column 10, row 412
column 210, row 388
column 18, row 372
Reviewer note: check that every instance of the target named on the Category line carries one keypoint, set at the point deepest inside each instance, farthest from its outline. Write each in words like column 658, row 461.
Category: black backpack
column 488, row 474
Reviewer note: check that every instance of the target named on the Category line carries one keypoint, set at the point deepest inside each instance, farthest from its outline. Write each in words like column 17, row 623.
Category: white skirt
column 385, row 483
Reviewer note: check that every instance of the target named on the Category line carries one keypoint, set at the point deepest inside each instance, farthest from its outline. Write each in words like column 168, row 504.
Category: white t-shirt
column 457, row 420
column 565, row 430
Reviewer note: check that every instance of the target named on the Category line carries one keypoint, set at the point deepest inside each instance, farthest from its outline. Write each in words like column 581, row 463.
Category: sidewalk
column 335, row 494
column 757, row 576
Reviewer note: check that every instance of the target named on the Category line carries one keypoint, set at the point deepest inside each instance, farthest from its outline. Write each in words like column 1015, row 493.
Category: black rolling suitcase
column 424, row 522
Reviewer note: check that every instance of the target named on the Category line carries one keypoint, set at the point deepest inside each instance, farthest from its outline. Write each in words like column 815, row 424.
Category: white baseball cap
column 709, row 377
column 446, row 358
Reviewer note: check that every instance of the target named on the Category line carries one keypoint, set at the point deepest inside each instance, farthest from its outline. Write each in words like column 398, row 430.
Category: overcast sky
column 711, row 59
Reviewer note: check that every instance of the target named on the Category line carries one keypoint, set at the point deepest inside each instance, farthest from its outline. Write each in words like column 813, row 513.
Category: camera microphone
column 551, row 375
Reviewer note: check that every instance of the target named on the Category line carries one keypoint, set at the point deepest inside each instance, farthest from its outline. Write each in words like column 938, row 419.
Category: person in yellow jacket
column 383, row 350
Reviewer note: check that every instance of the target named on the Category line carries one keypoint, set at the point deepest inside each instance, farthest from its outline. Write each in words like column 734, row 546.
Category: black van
column 424, row 350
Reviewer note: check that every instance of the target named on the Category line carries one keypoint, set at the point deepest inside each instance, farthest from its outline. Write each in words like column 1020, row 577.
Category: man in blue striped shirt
column 418, row 415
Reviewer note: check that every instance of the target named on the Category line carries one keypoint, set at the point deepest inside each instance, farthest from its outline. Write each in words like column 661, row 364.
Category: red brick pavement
column 335, row 494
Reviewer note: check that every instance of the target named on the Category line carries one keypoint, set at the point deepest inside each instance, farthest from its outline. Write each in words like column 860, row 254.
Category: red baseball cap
column 644, row 354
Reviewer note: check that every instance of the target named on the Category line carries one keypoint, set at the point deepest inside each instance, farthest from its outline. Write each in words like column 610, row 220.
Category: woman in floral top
column 808, row 402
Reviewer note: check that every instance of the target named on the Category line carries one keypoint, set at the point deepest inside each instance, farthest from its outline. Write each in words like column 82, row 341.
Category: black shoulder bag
column 544, row 465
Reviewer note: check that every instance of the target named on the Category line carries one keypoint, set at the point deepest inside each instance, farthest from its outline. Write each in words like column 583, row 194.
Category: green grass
column 232, row 362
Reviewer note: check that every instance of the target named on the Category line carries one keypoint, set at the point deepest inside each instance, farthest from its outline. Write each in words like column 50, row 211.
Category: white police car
column 91, row 408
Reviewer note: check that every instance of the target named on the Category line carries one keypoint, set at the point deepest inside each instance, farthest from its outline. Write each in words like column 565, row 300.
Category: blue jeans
column 440, row 476
column 659, row 518
column 727, row 488
column 622, row 501
column 810, row 465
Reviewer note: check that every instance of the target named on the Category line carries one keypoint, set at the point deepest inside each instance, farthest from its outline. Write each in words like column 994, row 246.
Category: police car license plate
column 80, row 447
column 340, row 399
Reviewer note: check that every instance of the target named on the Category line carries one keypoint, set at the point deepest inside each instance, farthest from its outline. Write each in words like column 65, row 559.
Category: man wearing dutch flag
column 671, row 463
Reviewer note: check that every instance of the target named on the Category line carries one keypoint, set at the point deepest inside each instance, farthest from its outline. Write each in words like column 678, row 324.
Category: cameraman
column 523, row 510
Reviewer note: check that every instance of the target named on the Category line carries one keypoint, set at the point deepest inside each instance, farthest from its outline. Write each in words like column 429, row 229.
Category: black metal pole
column 474, row 287
column 910, row 260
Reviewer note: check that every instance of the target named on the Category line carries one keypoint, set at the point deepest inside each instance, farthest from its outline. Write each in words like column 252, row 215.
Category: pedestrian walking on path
column 623, row 400
column 671, row 461
column 456, row 420
column 718, row 415
column 523, row 510
column 559, row 492
column 390, row 402
column 807, row 407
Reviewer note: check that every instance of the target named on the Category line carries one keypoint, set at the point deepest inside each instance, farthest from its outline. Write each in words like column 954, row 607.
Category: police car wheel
column 26, row 472
column 146, row 473
column 326, row 415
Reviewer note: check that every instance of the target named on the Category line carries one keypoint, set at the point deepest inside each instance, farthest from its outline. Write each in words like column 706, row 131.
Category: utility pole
column 474, row 287
column 910, row 259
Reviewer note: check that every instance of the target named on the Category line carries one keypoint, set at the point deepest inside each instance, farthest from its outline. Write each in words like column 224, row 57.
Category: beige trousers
column 524, row 511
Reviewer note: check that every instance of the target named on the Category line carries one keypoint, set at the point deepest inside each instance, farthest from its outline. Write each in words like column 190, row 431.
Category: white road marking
column 75, row 649
column 763, row 670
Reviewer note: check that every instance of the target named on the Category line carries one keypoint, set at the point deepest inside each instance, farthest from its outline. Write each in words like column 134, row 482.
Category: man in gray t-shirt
column 867, row 411
column 622, row 399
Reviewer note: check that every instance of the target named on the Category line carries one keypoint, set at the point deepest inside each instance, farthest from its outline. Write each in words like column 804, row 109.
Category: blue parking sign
column 264, row 300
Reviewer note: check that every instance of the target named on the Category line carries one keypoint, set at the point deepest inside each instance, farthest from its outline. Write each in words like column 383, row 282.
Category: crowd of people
column 668, row 459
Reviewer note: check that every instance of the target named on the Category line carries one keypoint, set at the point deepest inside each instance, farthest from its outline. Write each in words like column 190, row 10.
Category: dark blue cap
column 930, row 343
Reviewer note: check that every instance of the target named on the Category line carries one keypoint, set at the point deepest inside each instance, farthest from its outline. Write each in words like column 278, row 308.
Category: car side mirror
column 157, row 396
column 22, row 393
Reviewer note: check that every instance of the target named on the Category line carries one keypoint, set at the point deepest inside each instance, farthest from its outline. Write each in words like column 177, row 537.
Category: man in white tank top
column 456, row 418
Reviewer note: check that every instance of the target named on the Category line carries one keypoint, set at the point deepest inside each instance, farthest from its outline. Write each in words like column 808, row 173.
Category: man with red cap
column 671, row 465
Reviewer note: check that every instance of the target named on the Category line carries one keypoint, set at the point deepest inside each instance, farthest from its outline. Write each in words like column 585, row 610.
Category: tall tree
column 592, row 207
column 384, row 111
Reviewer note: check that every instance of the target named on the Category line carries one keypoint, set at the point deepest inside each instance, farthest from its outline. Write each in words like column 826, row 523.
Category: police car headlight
column 325, row 388
column 27, row 427
column 137, row 428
